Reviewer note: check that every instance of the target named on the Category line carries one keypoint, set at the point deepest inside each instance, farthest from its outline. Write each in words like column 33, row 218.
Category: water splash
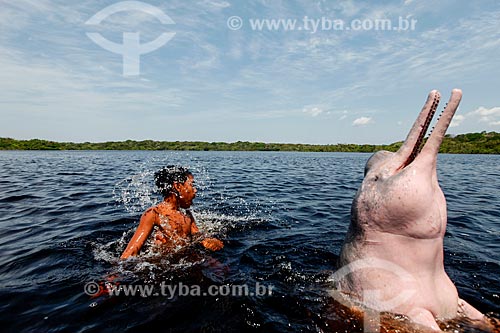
column 136, row 192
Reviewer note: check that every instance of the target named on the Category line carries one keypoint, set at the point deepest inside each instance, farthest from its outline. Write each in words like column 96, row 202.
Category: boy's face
column 187, row 192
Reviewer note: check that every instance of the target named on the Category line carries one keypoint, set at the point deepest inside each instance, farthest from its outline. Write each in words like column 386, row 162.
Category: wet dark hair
column 167, row 176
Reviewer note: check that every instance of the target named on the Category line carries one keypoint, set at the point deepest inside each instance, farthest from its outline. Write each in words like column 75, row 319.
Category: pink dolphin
column 394, row 247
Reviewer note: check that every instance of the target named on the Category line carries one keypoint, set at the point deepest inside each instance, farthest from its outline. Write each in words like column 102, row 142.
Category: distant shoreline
column 470, row 143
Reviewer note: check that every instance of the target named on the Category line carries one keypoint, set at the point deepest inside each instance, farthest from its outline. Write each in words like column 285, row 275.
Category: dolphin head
column 400, row 193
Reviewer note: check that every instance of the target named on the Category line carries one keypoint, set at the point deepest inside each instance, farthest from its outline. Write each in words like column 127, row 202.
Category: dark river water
column 65, row 218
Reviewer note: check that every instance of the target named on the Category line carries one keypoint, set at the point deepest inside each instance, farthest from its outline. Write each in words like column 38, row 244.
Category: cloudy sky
column 221, row 77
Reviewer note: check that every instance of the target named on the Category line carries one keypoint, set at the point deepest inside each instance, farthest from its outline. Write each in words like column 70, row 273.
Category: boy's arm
column 141, row 234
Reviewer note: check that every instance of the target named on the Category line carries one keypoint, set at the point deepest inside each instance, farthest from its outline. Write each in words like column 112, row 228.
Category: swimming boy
column 171, row 226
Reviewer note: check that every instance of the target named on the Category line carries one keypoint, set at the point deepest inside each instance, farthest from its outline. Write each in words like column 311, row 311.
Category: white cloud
column 344, row 115
column 457, row 120
column 362, row 121
column 490, row 116
column 313, row 111
column 348, row 8
column 487, row 115
column 218, row 4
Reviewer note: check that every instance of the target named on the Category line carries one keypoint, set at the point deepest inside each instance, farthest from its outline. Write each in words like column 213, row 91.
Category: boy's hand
column 212, row 244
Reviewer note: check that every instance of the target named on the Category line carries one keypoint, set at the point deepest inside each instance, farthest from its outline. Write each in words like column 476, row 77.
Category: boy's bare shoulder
column 152, row 214
column 151, row 210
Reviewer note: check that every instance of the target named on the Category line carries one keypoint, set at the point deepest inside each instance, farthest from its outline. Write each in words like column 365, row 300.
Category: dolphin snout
column 412, row 147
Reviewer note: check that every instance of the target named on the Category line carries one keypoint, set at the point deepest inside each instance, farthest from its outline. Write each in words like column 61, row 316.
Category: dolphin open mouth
column 417, row 148
column 413, row 145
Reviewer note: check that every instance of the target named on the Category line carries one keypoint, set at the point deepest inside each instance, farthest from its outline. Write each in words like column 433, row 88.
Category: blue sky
column 212, row 83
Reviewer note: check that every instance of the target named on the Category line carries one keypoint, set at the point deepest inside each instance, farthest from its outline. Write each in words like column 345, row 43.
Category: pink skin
column 399, row 216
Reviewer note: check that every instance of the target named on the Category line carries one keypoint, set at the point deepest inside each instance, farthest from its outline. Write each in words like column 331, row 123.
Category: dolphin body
column 398, row 222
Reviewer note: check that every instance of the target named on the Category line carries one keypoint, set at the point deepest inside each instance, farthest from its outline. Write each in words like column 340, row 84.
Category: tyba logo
column 372, row 301
column 131, row 49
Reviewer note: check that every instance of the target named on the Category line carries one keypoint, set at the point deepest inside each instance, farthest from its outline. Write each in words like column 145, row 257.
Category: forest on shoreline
column 470, row 143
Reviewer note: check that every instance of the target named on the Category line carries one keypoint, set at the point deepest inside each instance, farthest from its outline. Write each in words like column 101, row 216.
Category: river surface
column 65, row 217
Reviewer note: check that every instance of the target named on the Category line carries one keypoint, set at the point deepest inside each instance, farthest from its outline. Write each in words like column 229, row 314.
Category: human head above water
column 167, row 176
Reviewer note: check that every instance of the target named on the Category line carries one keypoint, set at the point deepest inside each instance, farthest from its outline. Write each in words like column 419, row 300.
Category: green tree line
column 470, row 143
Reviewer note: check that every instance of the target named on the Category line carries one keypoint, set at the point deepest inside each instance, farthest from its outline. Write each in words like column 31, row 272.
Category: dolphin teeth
column 422, row 136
